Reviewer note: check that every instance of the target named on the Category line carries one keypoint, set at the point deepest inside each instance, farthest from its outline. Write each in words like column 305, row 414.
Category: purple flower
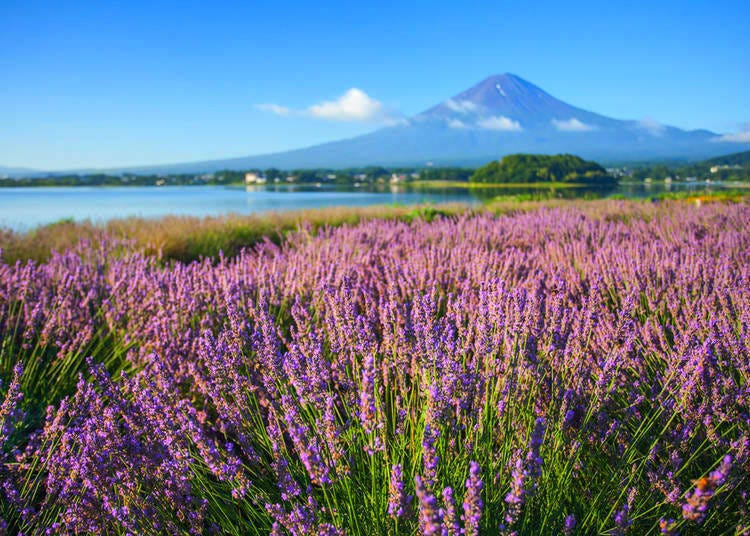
column 473, row 501
column 398, row 500
column 622, row 520
column 430, row 515
column 9, row 409
column 569, row 525
column 451, row 526
column 430, row 458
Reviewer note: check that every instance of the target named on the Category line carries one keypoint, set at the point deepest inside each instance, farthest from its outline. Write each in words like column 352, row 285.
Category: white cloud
column 500, row 122
column 652, row 126
column 743, row 136
column 456, row 123
column 737, row 137
column 274, row 109
column 354, row 105
column 572, row 125
column 462, row 107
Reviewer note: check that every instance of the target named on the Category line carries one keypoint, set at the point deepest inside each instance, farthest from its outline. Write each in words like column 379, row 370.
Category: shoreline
column 189, row 238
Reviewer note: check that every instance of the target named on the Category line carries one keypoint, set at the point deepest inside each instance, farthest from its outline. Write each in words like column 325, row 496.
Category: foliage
column 368, row 174
column 730, row 168
column 445, row 174
column 740, row 159
column 102, row 179
column 531, row 168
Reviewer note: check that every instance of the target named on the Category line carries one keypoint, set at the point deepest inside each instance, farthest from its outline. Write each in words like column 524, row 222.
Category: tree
column 526, row 168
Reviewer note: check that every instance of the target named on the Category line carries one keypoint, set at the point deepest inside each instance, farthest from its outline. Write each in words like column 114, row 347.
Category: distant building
column 620, row 172
column 251, row 178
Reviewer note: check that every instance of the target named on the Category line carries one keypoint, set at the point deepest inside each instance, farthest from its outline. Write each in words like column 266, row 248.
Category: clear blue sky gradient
column 100, row 83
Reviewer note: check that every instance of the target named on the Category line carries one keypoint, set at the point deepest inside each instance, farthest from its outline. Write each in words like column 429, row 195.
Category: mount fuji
column 502, row 114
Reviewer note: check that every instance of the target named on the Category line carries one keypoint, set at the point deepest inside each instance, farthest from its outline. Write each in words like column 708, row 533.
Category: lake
column 25, row 208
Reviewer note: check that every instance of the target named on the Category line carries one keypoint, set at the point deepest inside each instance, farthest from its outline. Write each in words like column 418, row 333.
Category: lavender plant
column 572, row 370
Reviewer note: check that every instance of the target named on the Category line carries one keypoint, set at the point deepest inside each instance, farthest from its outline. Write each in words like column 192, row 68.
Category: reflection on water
column 628, row 190
column 634, row 190
column 24, row 208
column 525, row 193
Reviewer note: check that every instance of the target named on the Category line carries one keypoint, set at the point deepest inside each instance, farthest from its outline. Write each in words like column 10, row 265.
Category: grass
column 188, row 238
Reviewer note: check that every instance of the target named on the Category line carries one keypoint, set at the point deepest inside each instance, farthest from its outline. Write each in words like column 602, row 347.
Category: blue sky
column 102, row 83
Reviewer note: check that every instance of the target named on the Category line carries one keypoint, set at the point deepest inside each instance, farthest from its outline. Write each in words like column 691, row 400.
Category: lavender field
column 574, row 370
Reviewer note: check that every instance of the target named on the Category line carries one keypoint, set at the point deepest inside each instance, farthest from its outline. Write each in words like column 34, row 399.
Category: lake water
column 25, row 208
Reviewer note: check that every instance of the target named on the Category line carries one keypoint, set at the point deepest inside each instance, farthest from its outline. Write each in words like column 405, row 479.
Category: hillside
column 734, row 159
column 532, row 168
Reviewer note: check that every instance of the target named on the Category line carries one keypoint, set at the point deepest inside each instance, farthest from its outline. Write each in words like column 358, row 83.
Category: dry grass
column 187, row 238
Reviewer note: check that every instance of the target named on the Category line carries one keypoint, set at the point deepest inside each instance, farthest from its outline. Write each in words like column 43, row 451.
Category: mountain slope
column 500, row 115
column 513, row 97
column 16, row 171
column 735, row 159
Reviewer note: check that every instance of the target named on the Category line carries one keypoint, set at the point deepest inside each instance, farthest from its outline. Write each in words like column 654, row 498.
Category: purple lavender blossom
column 430, row 514
column 473, row 501
column 398, row 500
column 622, row 520
column 430, row 457
column 451, row 526
column 569, row 524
